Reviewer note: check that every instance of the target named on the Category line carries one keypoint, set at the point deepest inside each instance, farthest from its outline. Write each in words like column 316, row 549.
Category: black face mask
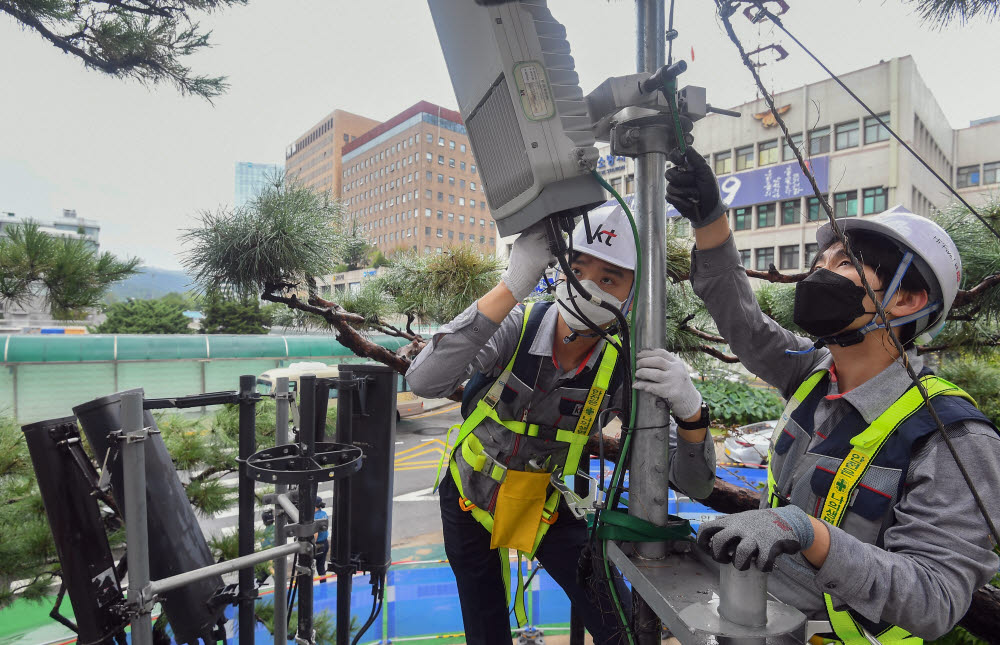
column 826, row 302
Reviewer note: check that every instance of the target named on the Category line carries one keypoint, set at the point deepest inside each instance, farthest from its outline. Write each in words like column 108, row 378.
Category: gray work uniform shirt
column 473, row 343
column 937, row 548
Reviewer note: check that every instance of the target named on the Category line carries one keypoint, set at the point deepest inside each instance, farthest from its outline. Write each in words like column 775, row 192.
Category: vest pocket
column 784, row 459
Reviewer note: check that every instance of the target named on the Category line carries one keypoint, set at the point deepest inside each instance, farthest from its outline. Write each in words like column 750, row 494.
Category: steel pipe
column 136, row 533
column 281, row 564
column 242, row 563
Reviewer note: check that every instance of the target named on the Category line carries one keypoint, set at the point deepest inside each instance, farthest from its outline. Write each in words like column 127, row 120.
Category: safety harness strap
column 864, row 447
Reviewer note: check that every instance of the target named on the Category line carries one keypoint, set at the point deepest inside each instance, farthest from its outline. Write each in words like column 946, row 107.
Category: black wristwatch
column 700, row 424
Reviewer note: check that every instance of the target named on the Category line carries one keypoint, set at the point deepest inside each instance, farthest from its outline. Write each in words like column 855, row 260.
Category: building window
column 873, row 200
column 451, row 235
column 814, row 209
column 440, row 197
column 847, row 135
column 462, row 165
column 451, row 163
column 451, row 217
column 875, row 131
column 472, row 185
column 440, row 178
column 482, row 239
column 741, row 219
column 788, row 257
column 968, row 176
column 811, row 251
column 745, row 258
column 790, row 212
column 428, row 193
column 461, row 219
column 630, row 184
column 472, row 168
column 461, row 237
column 764, row 258
column 430, row 157
column 765, row 215
column 440, row 214
column 461, row 184
column 440, row 233
column 440, row 141
column 786, row 151
column 441, row 160
column 744, row 158
column 819, row 141
column 461, row 201
column 767, row 153
column 451, row 181
column 451, row 145
column 724, row 162
column 461, row 147
column 451, row 199
column 427, row 230
column 845, row 204
column 991, row 173
column 493, row 241
column 472, row 203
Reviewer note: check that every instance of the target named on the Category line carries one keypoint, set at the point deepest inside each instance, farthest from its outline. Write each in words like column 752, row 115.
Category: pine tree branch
column 967, row 296
column 704, row 335
column 714, row 353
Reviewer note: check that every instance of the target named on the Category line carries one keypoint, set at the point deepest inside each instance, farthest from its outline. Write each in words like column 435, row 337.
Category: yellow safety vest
column 864, row 447
column 468, row 447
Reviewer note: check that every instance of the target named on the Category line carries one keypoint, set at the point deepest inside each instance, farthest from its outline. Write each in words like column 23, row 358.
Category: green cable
column 670, row 90
column 619, row 472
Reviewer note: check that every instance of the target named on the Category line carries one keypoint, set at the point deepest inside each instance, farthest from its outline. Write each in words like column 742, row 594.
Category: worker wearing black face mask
column 866, row 523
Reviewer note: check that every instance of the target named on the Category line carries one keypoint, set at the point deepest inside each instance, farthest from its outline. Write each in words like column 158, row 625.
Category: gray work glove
column 661, row 373
column 529, row 257
column 693, row 189
column 757, row 537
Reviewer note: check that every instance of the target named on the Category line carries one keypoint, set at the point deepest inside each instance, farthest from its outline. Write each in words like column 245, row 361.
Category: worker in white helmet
column 867, row 522
column 535, row 373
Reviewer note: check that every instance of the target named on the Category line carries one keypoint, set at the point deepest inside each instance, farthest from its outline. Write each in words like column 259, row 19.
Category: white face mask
column 593, row 311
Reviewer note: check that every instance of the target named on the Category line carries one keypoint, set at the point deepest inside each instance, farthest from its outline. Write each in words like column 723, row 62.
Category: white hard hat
column 611, row 237
column 935, row 254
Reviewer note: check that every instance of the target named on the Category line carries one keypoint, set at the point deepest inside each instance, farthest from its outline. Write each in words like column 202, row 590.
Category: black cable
column 777, row 21
column 378, row 591
column 879, row 307
column 526, row 584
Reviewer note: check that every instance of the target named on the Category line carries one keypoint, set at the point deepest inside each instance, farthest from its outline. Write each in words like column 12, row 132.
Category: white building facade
column 859, row 167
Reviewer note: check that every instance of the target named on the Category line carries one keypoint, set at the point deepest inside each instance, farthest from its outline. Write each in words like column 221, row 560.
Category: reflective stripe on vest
column 864, row 447
column 468, row 447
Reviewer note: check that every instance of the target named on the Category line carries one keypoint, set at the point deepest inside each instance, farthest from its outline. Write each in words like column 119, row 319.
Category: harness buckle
column 465, row 504
column 489, row 464
column 551, row 519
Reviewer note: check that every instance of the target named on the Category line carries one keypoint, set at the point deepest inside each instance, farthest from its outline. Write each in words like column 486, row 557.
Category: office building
column 859, row 167
column 69, row 225
column 251, row 178
column 411, row 184
column 314, row 158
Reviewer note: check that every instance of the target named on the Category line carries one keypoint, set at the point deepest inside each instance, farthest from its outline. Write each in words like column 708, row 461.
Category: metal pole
column 280, row 564
column 581, row 486
column 241, row 564
column 248, row 444
column 342, row 497
column 648, row 477
column 307, row 511
column 136, row 534
column 743, row 596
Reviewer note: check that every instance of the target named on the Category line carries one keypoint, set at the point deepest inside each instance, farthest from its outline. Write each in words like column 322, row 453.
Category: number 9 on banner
column 729, row 187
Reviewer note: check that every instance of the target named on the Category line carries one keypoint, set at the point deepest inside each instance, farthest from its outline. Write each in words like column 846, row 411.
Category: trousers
column 486, row 611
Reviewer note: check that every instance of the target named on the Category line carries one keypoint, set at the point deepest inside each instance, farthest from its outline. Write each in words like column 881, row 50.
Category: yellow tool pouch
column 518, row 511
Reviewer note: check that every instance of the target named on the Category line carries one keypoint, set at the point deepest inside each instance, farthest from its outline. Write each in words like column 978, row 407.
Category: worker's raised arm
column 718, row 278
column 486, row 333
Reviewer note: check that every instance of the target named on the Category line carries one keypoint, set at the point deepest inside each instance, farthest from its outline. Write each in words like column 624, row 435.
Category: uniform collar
column 542, row 345
column 876, row 395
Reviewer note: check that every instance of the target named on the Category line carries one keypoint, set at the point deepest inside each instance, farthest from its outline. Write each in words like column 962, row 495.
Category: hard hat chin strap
column 858, row 335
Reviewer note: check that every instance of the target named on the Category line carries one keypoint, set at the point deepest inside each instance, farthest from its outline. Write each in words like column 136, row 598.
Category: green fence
column 43, row 377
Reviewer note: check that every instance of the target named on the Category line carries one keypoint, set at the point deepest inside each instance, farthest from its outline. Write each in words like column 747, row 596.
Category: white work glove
column 661, row 373
column 529, row 257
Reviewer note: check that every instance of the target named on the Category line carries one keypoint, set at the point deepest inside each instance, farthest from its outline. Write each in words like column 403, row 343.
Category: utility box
column 374, row 431
column 88, row 568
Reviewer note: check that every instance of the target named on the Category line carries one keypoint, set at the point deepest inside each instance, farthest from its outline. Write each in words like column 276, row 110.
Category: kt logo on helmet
column 607, row 235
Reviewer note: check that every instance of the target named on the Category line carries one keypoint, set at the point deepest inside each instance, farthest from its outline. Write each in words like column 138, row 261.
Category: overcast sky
column 144, row 161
